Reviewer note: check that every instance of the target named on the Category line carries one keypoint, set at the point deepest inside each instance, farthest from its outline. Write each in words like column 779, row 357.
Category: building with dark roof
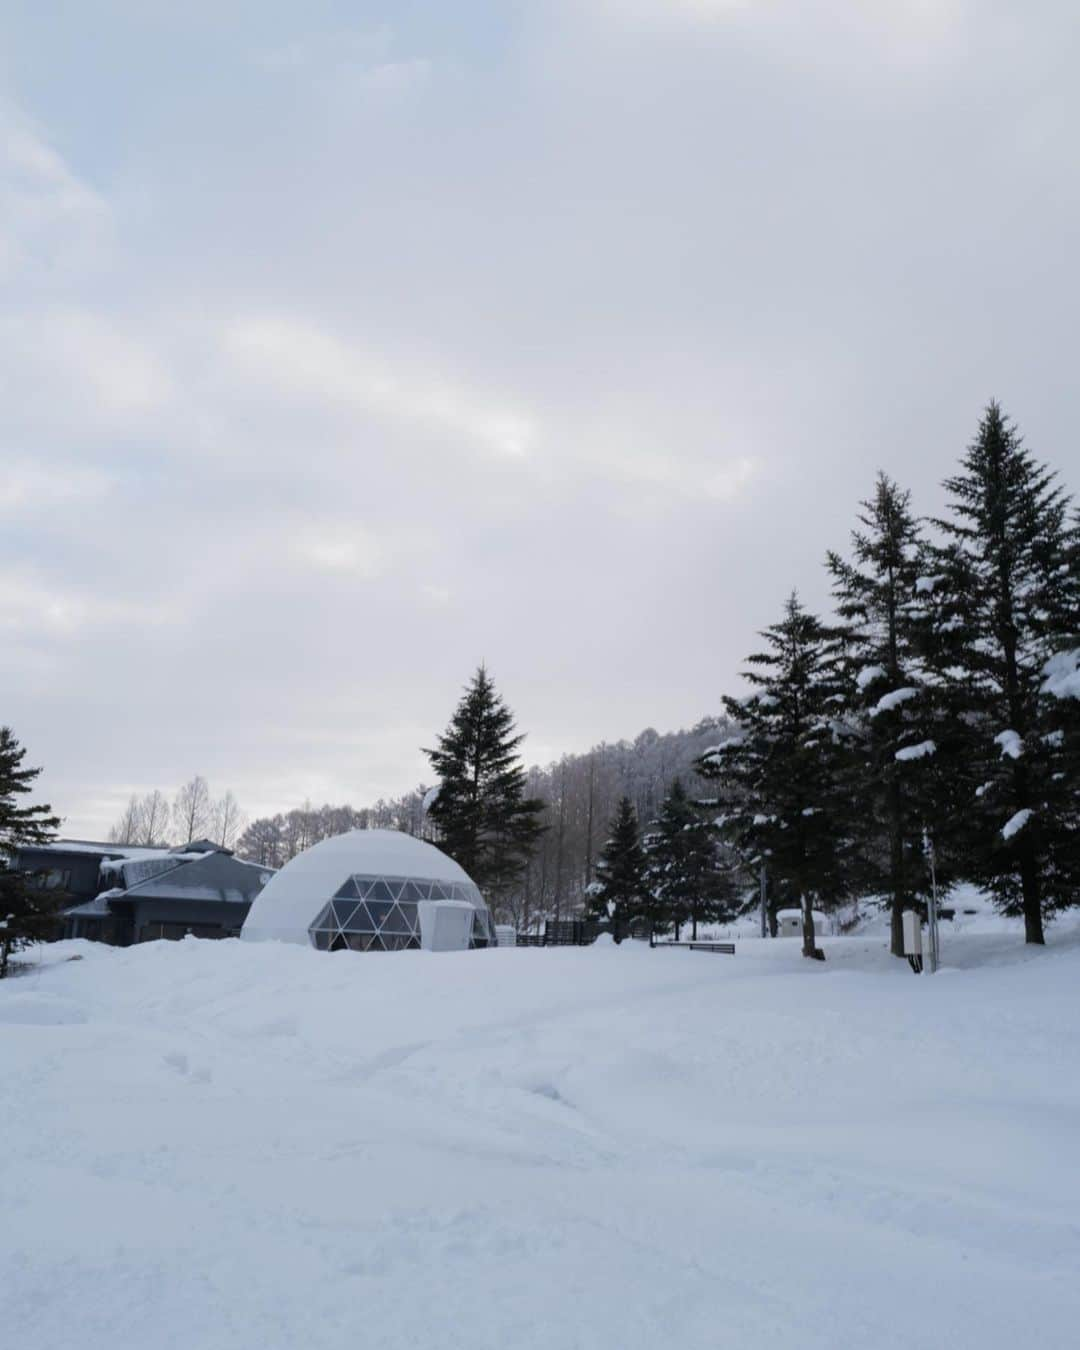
column 122, row 895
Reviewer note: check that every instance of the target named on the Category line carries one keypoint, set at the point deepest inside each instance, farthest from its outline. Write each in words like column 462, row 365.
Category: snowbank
column 226, row 1145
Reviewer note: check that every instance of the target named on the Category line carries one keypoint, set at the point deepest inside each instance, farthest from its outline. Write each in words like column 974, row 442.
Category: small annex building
column 789, row 923
column 372, row 890
column 123, row 894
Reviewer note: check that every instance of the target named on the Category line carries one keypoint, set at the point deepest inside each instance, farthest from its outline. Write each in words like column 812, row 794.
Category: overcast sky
column 345, row 345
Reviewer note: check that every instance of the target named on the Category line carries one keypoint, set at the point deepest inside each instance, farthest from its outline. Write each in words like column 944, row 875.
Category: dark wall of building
column 174, row 918
column 75, row 874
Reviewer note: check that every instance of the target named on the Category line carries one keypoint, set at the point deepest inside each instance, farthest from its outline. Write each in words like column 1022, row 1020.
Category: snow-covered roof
column 96, row 846
column 96, row 908
column 201, row 846
column 193, row 876
column 131, row 871
column 287, row 906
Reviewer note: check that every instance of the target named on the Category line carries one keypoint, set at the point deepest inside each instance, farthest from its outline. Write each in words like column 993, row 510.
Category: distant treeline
column 580, row 793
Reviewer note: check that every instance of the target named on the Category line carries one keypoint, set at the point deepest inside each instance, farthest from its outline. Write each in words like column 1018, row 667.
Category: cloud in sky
column 297, row 358
column 51, row 221
column 335, row 358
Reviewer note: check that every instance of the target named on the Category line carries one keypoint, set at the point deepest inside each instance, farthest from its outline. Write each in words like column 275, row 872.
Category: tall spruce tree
column 1062, row 687
column 485, row 821
column 688, row 885
column 26, row 910
column 782, row 767
column 1004, row 598
column 620, row 891
column 898, row 749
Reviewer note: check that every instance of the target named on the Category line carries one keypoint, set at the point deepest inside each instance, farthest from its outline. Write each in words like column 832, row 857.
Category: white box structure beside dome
column 371, row 890
column 446, row 925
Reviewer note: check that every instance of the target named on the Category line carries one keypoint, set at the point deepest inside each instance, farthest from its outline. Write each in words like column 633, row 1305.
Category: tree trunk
column 1029, row 881
column 560, row 836
column 809, row 945
column 589, row 821
column 896, row 870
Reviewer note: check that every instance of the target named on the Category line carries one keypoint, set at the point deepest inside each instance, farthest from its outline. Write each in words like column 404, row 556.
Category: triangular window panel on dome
column 397, row 921
column 438, row 891
column 324, row 919
column 344, row 910
column 378, row 909
column 348, row 891
column 361, row 921
column 380, row 891
column 411, row 891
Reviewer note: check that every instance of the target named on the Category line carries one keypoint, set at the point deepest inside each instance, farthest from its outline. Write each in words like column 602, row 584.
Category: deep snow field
column 226, row 1146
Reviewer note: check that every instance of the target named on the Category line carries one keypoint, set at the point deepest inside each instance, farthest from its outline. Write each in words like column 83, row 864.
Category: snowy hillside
column 219, row 1146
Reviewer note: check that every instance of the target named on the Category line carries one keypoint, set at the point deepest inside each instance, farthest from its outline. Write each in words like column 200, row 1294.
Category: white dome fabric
column 365, row 890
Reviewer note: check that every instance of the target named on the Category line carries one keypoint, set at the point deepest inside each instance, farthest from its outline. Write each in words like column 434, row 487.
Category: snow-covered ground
column 228, row 1146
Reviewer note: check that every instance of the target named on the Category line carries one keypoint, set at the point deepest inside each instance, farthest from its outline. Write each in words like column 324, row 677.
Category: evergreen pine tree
column 688, row 885
column 1005, row 598
column 1061, row 687
column 620, row 890
column 654, row 909
column 898, row 749
column 26, row 911
column 782, row 767
column 485, row 821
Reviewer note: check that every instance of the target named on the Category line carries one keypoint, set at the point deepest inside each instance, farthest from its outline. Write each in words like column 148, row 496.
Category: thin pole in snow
column 932, row 909
column 764, row 908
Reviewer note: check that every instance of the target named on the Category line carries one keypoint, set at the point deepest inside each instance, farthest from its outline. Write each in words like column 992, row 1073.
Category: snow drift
column 220, row 1146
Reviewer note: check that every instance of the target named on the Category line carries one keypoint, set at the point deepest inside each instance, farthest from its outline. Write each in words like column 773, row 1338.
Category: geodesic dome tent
column 371, row 890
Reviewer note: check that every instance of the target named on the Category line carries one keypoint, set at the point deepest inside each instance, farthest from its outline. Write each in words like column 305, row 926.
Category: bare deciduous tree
column 153, row 819
column 126, row 829
column 228, row 820
column 192, row 810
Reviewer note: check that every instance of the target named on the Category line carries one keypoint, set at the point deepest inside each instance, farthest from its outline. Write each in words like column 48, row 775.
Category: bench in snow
column 723, row 948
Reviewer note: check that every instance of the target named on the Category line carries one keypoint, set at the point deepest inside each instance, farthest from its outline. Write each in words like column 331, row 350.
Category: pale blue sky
column 346, row 344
